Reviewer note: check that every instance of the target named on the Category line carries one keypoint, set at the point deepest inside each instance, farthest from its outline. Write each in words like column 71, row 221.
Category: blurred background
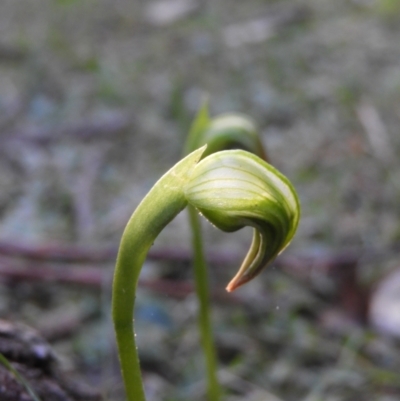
column 96, row 99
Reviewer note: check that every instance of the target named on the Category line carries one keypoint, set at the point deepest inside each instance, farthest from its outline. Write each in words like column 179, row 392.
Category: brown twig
column 299, row 265
column 57, row 252
column 342, row 266
column 87, row 276
column 99, row 254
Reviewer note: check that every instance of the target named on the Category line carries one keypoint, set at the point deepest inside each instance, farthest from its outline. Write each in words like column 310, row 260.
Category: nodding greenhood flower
column 232, row 189
column 235, row 188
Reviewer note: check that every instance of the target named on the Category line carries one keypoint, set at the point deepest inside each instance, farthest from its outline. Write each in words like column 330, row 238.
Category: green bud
column 232, row 131
column 226, row 131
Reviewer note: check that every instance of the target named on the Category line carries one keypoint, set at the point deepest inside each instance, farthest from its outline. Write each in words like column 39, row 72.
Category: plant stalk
column 204, row 317
column 164, row 201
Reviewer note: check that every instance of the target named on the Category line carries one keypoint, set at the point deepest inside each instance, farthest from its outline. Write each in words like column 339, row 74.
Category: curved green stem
column 204, row 318
column 158, row 208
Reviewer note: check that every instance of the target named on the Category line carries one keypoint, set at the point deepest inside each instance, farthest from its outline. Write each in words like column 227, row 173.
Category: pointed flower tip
column 237, row 282
column 231, row 287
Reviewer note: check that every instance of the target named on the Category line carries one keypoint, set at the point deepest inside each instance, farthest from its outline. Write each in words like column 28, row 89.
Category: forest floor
column 96, row 98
